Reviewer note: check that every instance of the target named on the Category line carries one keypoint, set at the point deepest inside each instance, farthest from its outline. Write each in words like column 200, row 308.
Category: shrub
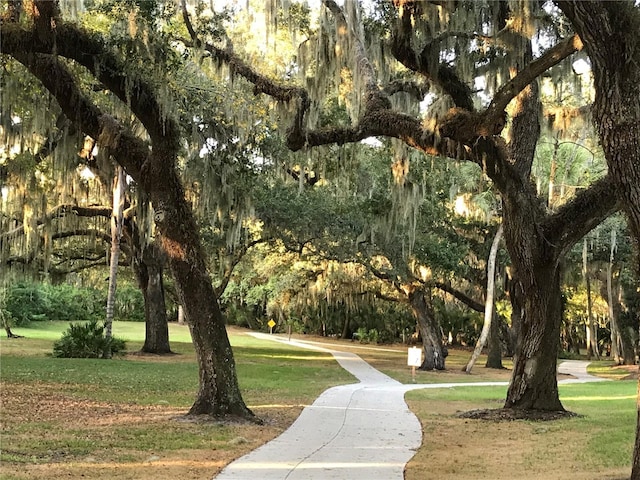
column 367, row 336
column 86, row 340
column 129, row 306
column 27, row 302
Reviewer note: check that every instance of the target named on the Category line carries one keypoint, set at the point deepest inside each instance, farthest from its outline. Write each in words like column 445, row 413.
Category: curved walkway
column 358, row 431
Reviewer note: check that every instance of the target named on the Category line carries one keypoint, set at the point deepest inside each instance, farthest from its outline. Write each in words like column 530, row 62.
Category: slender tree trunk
column 434, row 351
column 552, row 174
column 494, row 353
column 616, row 341
column 180, row 315
column 592, row 336
column 345, row 327
column 489, row 301
column 626, row 332
column 116, row 235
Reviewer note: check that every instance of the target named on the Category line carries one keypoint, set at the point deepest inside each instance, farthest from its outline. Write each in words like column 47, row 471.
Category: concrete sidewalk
column 360, row 431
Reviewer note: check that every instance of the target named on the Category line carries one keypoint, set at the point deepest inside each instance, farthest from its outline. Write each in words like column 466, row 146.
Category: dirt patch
column 632, row 371
column 47, row 434
column 509, row 415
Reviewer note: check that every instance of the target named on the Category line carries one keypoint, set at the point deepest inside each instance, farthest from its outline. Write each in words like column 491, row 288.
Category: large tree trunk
column 516, row 298
column 149, row 273
column 219, row 392
column 536, row 269
column 434, row 351
column 609, row 31
column 536, row 263
column 154, row 171
column 533, row 383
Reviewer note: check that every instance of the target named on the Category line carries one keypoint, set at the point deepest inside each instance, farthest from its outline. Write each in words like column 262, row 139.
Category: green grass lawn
column 263, row 367
column 596, row 444
column 122, row 418
column 59, row 411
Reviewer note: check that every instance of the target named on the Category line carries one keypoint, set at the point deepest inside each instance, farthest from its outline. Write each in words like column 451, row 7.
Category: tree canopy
column 219, row 114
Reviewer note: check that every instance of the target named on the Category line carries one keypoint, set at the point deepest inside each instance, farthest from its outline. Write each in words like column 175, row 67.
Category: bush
column 129, row 306
column 27, row 302
column 86, row 340
column 367, row 336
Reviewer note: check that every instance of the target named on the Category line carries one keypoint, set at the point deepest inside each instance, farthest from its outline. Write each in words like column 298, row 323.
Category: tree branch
column 82, row 232
column 126, row 84
column 578, row 217
column 226, row 278
column 427, row 63
column 377, row 120
column 59, row 212
column 416, row 90
column 373, row 94
column 130, row 151
column 537, row 67
column 467, row 300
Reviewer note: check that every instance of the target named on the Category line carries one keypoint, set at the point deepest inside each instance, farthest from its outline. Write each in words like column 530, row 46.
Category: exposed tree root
column 229, row 419
column 511, row 414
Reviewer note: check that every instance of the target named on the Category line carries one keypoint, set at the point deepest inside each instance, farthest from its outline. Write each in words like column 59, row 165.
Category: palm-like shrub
column 86, row 340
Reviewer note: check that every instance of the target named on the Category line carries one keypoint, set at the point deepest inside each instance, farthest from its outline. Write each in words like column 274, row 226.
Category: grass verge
column 596, row 445
column 95, row 419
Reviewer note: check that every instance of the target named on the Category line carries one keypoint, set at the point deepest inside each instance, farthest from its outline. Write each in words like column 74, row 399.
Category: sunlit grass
column 596, row 444
column 131, row 405
column 262, row 366
column 121, row 412
column 609, row 369
column 392, row 361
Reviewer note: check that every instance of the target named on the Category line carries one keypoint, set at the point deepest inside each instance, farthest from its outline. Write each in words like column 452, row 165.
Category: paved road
column 360, row 431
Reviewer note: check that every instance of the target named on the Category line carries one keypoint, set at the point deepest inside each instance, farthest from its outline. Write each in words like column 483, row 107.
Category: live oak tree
column 609, row 33
column 443, row 45
column 431, row 40
column 399, row 226
column 44, row 42
column 53, row 221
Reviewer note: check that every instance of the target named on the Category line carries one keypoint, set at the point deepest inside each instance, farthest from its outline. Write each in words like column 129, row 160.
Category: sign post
column 271, row 324
column 414, row 359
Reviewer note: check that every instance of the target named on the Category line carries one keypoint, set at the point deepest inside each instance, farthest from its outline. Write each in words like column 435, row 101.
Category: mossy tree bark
column 536, row 240
column 429, row 327
column 149, row 271
column 152, row 167
column 609, row 31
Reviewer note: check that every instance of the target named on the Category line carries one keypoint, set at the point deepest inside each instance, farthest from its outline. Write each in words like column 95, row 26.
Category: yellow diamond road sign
column 271, row 323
